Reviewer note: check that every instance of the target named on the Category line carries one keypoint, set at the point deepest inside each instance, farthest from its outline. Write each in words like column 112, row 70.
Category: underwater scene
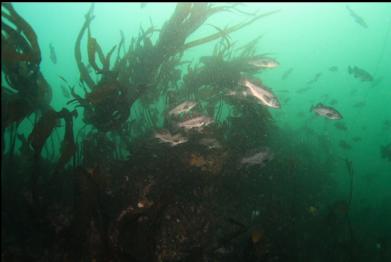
column 205, row 132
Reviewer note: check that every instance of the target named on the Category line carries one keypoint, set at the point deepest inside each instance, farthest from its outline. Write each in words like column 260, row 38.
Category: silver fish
column 182, row 108
column 260, row 158
column 197, row 122
column 326, row 111
column 211, row 143
column 263, row 62
column 262, row 93
column 166, row 137
column 315, row 79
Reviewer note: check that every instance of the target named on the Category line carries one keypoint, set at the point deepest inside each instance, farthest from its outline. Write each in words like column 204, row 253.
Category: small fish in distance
column 166, row 137
column 358, row 19
column 182, row 108
column 196, row 123
column 53, row 56
column 326, row 111
column 260, row 158
column 360, row 73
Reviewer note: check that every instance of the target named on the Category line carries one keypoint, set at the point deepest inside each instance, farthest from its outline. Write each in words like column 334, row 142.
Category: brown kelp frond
column 226, row 8
column 19, row 52
column 228, row 30
column 187, row 18
column 202, row 13
column 106, row 64
column 168, row 73
column 14, row 47
column 120, row 45
column 145, row 37
column 42, row 130
column 234, row 8
column 84, row 76
column 223, row 33
column 174, row 32
column 220, row 48
column 93, row 47
column 68, row 145
column 78, row 99
column 20, row 57
column 24, row 28
column 250, row 48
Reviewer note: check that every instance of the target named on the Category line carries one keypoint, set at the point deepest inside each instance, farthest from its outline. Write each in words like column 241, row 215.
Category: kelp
column 141, row 222
column 68, row 146
column 84, row 76
column 147, row 69
column 226, row 31
column 27, row 89
column 250, row 48
column 24, row 28
column 15, row 109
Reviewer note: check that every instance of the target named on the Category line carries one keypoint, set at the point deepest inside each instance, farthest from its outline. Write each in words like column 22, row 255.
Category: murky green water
column 322, row 195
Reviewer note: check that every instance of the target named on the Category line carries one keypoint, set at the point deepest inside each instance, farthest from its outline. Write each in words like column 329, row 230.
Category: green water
column 308, row 38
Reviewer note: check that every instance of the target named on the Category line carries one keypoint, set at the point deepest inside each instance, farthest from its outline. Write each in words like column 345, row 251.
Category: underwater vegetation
column 202, row 174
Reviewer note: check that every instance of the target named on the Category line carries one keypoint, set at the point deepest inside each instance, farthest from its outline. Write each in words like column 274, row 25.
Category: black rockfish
column 360, row 73
column 326, row 111
column 358, row 19
column 260, row 92
column 53, row 55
